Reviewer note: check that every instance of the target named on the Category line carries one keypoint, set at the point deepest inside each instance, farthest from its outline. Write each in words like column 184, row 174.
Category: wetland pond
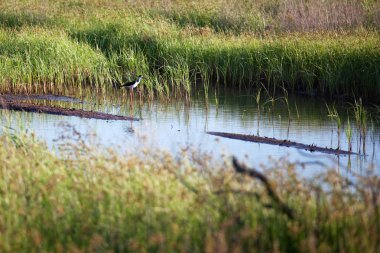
column 181, row 124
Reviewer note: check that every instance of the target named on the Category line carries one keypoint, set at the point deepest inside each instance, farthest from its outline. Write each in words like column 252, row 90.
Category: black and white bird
column 133, row 84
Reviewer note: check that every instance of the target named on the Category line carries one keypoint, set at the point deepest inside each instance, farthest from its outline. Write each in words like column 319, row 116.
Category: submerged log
column 285, row 143
column 29, row 107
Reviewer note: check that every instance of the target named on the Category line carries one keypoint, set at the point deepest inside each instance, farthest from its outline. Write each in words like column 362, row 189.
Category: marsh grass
column 348, row 131
column 17, row 20
column 299, row 15
column 333, row 114
column 105, row 43
column 307, row 64
column 37, row 60
column 151, row 201
column 259, row 17
column 222, row 21
column 258, row 102
column 285, row 98
column 362, row 120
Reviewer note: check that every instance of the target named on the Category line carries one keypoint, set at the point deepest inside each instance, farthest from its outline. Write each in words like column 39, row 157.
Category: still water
column 182, row 124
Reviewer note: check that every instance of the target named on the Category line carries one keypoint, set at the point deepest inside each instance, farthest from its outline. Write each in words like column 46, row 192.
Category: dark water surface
column 182, row 124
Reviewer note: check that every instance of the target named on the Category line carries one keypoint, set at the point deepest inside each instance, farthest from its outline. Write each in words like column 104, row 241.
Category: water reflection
column 181, row 123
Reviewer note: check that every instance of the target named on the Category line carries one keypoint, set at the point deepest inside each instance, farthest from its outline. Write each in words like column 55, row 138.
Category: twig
column 272, row 194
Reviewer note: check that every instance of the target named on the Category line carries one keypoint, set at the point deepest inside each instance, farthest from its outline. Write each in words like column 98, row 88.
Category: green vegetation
column 40, row 58
column 349, row 134
column 333, row 114
column 107, row 202
column 177, row 44
column 97, row 200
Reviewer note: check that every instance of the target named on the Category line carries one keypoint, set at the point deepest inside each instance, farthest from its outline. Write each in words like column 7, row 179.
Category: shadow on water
column 172, row 124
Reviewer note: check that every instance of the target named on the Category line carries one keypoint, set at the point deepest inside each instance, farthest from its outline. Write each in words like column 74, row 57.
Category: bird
column 132, row 85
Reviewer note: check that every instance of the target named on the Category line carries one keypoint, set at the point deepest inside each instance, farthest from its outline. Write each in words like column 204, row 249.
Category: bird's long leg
column 131, row 102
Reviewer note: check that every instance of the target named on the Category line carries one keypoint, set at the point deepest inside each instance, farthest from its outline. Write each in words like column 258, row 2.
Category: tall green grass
column 104, row 201
column 17, row 20
column 342, row 66
column 37, row 58
column 102, row 44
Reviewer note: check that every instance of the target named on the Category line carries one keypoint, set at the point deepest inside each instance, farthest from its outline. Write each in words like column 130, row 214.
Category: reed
column 105, row 201
column 333, row 114
column 111, row 43
column 377, row 113
column 258, row 101
column 285, row 98
column 348, row 132
column 35, row 59
column 360, row 114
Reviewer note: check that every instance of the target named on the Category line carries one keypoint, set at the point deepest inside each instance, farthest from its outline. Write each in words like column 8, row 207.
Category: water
column 181, row 125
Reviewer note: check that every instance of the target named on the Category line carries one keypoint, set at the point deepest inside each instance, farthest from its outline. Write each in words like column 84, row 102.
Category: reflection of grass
column 109, row 43
column 102, row 201
column 360, row 114
column 349, row 134
column 258, row 102
column 333, row 114
column 362, row 120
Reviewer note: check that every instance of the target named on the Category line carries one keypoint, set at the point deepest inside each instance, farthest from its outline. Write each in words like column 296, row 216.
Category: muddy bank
column 18, row 105
column 285, row 143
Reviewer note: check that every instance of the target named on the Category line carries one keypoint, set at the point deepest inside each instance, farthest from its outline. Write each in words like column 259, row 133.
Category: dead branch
column 242, row 169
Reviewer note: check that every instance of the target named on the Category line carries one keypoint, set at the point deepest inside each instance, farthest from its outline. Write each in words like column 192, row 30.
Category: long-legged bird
column 132, row 85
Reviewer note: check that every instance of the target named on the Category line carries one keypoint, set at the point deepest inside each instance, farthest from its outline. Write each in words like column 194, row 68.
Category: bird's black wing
column 128, row 84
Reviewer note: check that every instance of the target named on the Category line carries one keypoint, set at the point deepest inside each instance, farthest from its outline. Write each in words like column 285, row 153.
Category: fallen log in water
column 285, row 143
column 29, row 107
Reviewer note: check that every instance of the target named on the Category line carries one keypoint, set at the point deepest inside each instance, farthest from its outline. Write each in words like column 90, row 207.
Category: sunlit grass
column 98, row 200
column 102, row 201
column 102, row 43
column 38, row 58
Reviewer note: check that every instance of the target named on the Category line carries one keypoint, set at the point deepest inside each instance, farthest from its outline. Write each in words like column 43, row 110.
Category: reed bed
column 37, row 59
column 103, row 201
column 106, row 44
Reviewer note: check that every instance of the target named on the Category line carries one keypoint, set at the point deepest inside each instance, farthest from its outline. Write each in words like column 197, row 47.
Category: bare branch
column 239, row 168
